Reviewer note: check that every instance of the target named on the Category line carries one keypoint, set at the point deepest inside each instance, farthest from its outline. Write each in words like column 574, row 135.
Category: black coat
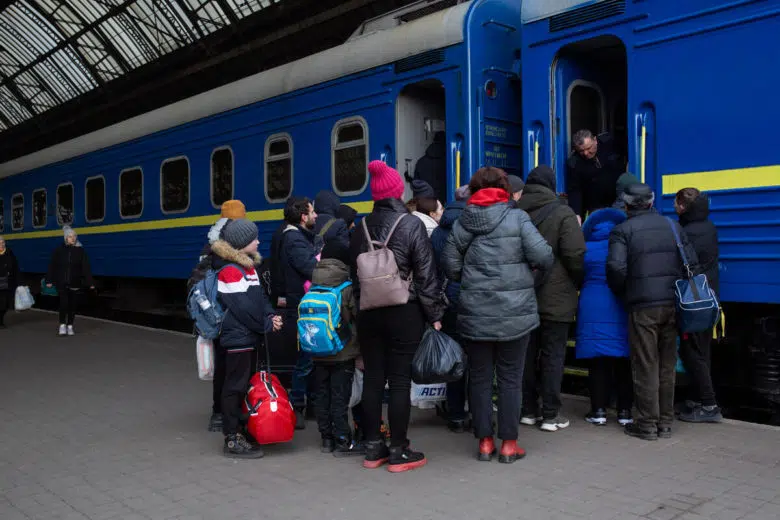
column 643, row 261
column 590, row 185
column 9, row 269
column 704, row 238
column 412, row 250
column 298, row 248
column 336, row 237
column 432, row 167
column 69, row 267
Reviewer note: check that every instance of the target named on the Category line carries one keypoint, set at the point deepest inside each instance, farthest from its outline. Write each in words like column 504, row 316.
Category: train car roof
column 438, row 30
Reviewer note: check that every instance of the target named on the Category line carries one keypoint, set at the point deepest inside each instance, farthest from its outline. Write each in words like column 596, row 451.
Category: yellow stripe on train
column 740, row 178
column 269, row 215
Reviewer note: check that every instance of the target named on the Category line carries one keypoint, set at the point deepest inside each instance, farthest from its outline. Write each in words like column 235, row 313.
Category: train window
column 17, row 212
column 2, row 216
column 221, row 176
column 350, row 156
column 39, row 208
column 175, row 185
column 131, row 193
column 65, row 204
column 95, row 195
column 278, row 167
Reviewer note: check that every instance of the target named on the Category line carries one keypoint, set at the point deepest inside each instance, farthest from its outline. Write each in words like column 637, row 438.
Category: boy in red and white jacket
column 247, row 318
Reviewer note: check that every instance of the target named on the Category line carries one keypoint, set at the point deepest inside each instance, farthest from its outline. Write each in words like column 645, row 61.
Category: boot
column 377, row 454
column 300, row 418
column 346, row 447
column 510, row 452
column 237, row 446
column 487, row 448
column 404, row 459
column 215, row 423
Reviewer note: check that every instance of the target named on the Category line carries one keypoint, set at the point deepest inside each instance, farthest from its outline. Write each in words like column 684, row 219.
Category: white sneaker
column 556, row 423
column 530, row 420
column 70, row 331
column 63, row 330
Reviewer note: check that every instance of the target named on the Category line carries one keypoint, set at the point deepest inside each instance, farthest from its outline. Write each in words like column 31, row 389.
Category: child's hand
column 359, row 363
column 277, row 321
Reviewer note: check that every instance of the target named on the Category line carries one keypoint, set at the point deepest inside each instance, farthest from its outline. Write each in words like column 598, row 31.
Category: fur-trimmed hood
column 231, row 255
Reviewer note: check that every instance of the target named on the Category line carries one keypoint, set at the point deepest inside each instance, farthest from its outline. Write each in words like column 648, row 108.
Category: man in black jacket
column 592, row 172
column 642, row 266
column 694, row 210
column 330, row 227
column 432, row 167
column 298, row 250
column 556, row 297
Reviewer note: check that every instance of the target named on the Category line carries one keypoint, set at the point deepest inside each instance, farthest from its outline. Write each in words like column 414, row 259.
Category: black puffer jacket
column 704, row 237
column 336, row 238
column 412, row 250
column 643, row 261
column 69, row 267
column 298, row 251
column 9, row 275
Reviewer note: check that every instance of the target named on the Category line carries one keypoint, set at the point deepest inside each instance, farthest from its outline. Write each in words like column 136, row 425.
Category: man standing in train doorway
column 592, row 172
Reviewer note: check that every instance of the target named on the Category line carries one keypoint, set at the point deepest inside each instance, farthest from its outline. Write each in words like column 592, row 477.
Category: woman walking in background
column 9, row 279
column 68, row 270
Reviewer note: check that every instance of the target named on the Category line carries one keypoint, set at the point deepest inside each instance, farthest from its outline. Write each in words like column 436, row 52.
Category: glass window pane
column 131, row 193
column 352, row 132
column 280, row 147
column 175, row 186
column 96, row 199
column 39, row 208
column 65, row 204
column 221, row 176
column 2, row 216
column 278, row 179
column 17, row 212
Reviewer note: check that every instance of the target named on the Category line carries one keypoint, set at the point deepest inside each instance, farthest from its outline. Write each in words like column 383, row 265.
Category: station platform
column 111, row 424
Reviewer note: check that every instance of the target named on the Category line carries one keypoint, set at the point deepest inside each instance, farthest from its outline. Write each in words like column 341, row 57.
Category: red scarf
column 489, row 196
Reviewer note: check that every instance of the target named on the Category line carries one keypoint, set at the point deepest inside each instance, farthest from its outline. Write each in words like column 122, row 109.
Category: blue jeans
column 300, row 379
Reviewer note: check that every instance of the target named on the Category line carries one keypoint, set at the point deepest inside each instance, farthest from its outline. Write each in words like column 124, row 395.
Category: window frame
column 13, row 228
column 2, row 215
column 232, row 174
column 45, row 208
column 143, row 198
column 266, row 149
column 189, row 185
column 334, row 146
column 602, row 113
column 60, row 222
column 86, row 199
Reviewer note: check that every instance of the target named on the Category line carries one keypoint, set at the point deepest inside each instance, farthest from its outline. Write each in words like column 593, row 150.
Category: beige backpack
column 381, row 284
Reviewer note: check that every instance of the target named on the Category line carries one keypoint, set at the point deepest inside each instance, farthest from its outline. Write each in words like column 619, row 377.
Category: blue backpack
column 203, row 304
column 320, row 330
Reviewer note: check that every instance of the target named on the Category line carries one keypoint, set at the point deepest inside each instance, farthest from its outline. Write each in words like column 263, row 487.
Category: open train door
column 589, row 92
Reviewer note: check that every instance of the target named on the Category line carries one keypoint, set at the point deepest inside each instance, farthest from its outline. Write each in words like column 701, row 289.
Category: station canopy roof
column 52, row 51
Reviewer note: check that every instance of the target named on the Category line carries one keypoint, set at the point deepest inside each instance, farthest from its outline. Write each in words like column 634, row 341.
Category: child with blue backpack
column 333, row 344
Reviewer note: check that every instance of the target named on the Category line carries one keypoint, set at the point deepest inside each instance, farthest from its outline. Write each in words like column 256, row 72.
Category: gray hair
column 579, row 137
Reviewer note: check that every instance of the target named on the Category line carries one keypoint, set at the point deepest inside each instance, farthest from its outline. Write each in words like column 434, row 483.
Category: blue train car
column 688, row 90
column 142, row 193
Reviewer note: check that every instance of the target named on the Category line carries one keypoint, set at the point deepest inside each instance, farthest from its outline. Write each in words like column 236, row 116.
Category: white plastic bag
column 24, row 299
column 426, row 396
column 357, row 388
column 205, row 353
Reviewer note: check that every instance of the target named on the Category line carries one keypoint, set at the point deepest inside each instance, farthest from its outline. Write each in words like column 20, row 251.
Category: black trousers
column 6, row 301
column 389, row 337
column 652, row 333
column 238, row 370
column 507, row 359
column 332, row 391
column 68, row 303
column 606, row 374
column 219, row 377
column 544, row 363
column 695, row 356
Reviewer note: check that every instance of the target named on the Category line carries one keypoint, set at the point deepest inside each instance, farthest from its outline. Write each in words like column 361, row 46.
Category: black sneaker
column 215, row 423
column 237, row 446
column 348, row 448
column 328, row 445
column 403, row 459
column 624, row 417
column 458, row 426
column 634, row 431
column 701, row 414
column 598, row 417
column 300, row 419
column 376, row 454
column 664, row 432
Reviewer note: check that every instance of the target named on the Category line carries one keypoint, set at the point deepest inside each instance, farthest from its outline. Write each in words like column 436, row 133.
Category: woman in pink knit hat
column 389, row 336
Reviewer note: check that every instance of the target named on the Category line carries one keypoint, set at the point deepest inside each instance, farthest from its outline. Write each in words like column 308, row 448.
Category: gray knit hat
column 239, row 233
column 463, row 193
column 638, row 196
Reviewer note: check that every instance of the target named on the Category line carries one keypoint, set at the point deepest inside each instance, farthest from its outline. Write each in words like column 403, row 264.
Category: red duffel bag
column 271, row 416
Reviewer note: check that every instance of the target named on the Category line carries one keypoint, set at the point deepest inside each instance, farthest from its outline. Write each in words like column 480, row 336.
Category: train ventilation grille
column 587, row 14
column 428, row 9
column 419, row 60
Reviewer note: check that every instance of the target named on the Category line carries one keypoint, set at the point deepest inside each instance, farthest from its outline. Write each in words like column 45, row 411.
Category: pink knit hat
column 386, row 182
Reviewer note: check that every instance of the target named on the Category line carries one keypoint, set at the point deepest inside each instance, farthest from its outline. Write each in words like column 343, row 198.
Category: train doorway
column 421, row 144
column 590, row 93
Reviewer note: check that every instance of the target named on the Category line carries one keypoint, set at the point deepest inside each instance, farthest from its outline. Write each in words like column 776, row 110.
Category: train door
column 421, row 143
column 589, row 92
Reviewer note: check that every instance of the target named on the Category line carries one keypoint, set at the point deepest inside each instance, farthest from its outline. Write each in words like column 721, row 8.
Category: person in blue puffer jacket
column 602, row 324
column 457, row 418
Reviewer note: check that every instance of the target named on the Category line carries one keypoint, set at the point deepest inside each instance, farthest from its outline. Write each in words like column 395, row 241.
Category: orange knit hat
column 233, row 209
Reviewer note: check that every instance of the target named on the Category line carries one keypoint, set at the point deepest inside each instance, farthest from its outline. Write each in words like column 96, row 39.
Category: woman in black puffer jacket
column 68, row 270
column 389, row 336
column 491, row 252
column 9, row 278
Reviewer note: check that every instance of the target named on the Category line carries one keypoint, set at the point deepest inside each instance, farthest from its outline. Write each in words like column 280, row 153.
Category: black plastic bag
column 439, row 359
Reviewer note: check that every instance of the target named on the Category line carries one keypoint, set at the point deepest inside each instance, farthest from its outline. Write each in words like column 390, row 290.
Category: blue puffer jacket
column 602, row 321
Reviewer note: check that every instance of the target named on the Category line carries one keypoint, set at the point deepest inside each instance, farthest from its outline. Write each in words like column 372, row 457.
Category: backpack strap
column 371, row 242
column 326, row 227
column 392, row 230
column 543, row 213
